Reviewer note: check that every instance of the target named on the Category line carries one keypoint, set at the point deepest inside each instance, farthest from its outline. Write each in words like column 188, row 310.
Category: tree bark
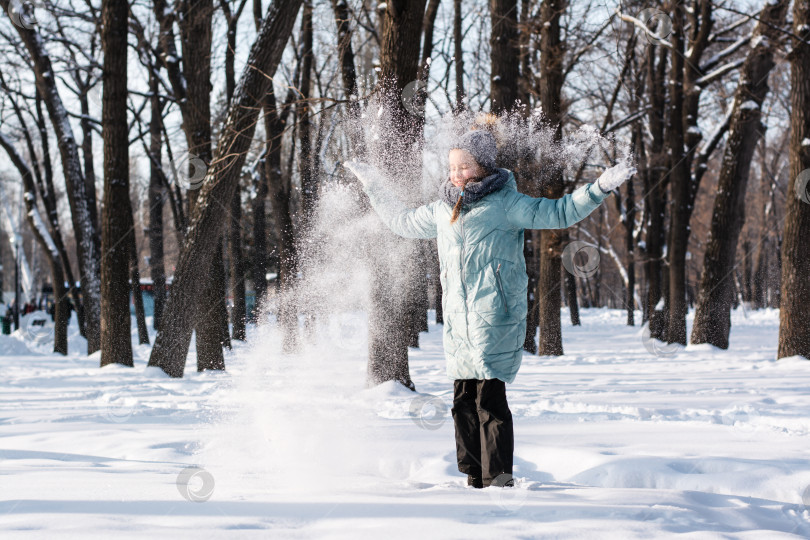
column 548, row 292
column 87, row 154
column 713, row 314
column 571, row 295
column 196, row 37
column 197, row 253
column 87, row 239
column 683, row 141
column 116, row 343
column 458, row 55
column 48, row 194
column 655, row 192
column 348, row 72
column 391, row 321
column 281, row 203
column 304, row 126
column 280, row 192
column 135, row 286
column 55, row 261
column 680, row 185
column 629, row 220
column 156, row 194
column 239, row 309
column 794, row 324
column 504, row 83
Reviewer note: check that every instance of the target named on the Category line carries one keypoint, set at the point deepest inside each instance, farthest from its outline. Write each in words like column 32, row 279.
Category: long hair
column 457, row 208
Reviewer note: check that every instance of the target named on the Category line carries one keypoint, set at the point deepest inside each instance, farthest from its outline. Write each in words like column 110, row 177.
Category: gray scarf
column 475, row 190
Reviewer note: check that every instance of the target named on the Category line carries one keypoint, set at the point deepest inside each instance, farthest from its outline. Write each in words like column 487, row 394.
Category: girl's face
column 463, row 167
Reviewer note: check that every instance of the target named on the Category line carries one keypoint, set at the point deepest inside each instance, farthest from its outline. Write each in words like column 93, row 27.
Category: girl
column 479, row 221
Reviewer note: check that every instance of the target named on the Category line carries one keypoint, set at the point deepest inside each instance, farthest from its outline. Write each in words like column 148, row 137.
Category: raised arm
column 408, row 222
column 527, row 212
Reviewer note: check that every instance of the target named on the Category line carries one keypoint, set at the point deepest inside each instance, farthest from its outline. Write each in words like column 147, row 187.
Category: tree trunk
column 713, row 314
column 458, row 55
column 309, row 185
column 156, row 194
column 531, row 254
column 391, row 318
column 280, row 192
column 87, row 240
column 683, row 138
column 116, row 343
column 680, row 186
column 48, row 194
column 87, row 154
column 548, row 293
column 135, row 285
column 197, row 253
column 239, row 309
column 211, row 334
column 304, row 126
column 258, row 208
column 571, row 295
column 794, row 324
column 655, row 192
column 504, row 83
column 55, row 261
column 347, row 70
column 196, row 33
column 422, row 283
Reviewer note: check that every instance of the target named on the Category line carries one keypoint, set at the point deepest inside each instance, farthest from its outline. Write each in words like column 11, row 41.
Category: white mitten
column 364, row 172
column 614, row 177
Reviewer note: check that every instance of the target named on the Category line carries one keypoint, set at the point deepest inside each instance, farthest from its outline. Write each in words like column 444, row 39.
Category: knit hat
column 481, row 144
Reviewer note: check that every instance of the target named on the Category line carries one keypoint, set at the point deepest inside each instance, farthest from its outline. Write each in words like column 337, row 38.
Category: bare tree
column 87, row 238
column 239, row 310
column 548, row 292
column 171, row 344
column 794, row 325
column 116, row 344
column 43, row 238
column 713, row 314
column 505, row 72
column 391, row 317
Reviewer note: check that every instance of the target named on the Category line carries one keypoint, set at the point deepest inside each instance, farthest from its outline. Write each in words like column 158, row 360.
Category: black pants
column 485, row 440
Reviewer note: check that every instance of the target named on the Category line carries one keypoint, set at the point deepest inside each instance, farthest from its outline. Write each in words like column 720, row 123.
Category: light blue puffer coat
column 483, row 271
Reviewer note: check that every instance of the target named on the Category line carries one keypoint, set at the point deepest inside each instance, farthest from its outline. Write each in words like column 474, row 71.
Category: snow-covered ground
column 611, row 441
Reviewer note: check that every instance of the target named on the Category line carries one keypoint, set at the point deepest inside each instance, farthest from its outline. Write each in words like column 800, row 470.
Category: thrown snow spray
column 310, row 422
